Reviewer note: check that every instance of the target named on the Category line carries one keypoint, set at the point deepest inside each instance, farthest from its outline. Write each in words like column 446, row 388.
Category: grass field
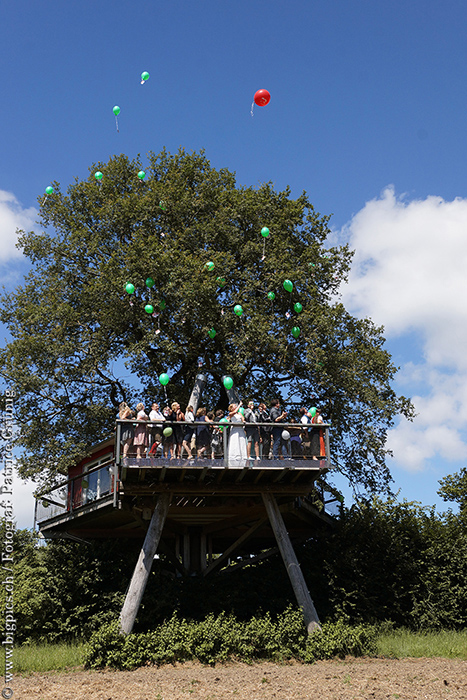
column 45, row 657
column 403, row 643
column 395, row 644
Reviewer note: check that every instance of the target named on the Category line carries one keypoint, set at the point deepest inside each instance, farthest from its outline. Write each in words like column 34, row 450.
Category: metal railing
column 298, row 446
column 85, row 488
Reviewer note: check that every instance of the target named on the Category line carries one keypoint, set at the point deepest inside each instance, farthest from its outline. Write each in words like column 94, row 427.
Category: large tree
column 80, row 343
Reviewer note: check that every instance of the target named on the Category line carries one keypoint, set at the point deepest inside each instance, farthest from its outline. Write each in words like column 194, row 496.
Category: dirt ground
column 359, row 679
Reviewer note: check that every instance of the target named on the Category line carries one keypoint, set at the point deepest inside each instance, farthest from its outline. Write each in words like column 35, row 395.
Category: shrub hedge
column 224, row 637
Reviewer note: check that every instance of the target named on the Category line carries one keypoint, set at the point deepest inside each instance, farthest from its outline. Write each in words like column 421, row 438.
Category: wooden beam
column 294, row 571
column 143, row 565
column 258, row 477
column 282, row 473
column 243, row 538
column 165, row 549
column 215, row 488
column 249, row 514
column 203, row 474
column 241, row 475
column 251, row 560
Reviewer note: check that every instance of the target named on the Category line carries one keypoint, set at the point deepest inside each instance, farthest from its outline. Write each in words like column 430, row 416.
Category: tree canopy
column 453, row 487
column 80, row 344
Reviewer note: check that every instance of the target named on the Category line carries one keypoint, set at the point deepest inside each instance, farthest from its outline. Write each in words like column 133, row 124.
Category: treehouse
column 202, row 514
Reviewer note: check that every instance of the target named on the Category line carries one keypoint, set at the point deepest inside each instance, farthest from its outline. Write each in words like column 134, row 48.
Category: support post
column 143, row 566
column 310, row 616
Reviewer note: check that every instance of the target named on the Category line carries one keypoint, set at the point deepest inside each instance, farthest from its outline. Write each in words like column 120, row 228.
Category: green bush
column 222, row 638
column 339, row 639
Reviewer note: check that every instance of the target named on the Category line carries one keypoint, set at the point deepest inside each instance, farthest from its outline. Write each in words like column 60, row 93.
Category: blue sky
column 367, row 114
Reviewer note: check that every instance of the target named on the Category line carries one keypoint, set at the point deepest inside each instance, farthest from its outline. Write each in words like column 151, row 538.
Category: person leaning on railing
column 155, row 431
column 277, row 416
column 189, row 431
column 252, row 431
column 128, row 431
column 318, row 448
column 265, row 431
column 140, row 440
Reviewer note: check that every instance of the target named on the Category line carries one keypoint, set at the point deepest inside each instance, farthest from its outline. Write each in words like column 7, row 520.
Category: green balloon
column 164, row 379
column 98, row 175
column 271, row 296
column 295, row 331
column 49, row 190
column 130, row 288
column 228, row 382
column 221, row 281
column 211, row 333
column 298, row 308
column 209, row 266
column 141, row 174
column 265, row 232
column 116, row 110
column 312, row 411
column 288, row 285
column 238, row 309
column 162, row 305
column 223, row 420
column 162, row 205
column 241, row 410
column 149, row 282
column 144, row 76
column 167, row 431
column 149, row 308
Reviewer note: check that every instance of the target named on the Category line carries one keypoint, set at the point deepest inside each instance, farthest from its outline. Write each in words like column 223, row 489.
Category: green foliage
column 337, row 639
column 72, row 322
column 40, row 658
column 64, row 591
column 454, row 488
column 223, row 638
column 400, row 643
column 390, row 561
column 375, row 569
column 384, row 561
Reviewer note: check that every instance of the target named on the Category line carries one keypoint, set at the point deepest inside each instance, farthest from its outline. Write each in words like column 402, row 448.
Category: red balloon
column 262, row 98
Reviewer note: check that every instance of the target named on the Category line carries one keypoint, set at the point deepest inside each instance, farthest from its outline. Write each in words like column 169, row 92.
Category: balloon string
column 252, row 105
column 264, row 249
column 116, row 124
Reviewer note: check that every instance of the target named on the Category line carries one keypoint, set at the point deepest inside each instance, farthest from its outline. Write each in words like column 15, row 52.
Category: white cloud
column 23, row 503
column 410, row 275
column 12, row 217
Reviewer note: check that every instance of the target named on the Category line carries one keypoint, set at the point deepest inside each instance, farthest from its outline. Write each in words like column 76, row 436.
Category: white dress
column 237, row 442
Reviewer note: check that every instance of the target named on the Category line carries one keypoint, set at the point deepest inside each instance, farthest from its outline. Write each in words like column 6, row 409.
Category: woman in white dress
column 237, row 452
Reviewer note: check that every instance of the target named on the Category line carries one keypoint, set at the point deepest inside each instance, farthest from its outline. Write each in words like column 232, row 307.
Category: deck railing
column 100, row 483
column 291, row 449
column 78, row 491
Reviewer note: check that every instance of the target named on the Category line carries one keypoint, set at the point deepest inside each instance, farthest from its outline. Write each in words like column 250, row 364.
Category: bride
column 237, row 439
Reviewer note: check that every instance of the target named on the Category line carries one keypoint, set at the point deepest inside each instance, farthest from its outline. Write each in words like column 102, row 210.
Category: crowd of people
column 253, row 433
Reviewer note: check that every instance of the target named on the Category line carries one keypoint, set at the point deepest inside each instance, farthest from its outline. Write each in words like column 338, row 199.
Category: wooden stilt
column 302, row 594
column 143, row 565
